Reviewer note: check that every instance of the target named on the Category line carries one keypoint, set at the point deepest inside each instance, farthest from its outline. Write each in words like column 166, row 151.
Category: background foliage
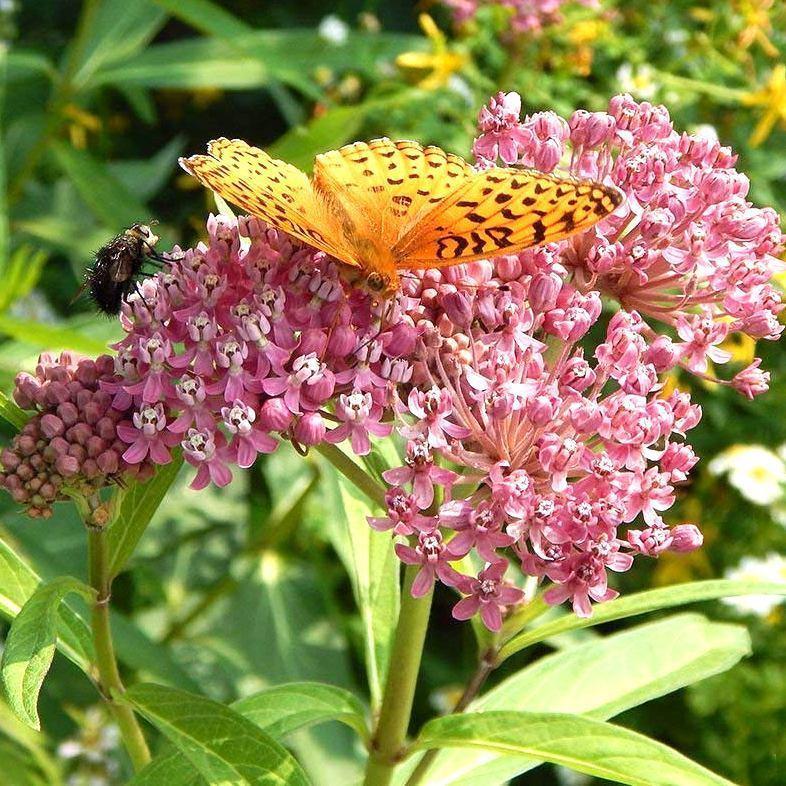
column 236, row 590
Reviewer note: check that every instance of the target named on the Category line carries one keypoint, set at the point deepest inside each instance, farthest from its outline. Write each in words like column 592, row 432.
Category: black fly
column 118, row 265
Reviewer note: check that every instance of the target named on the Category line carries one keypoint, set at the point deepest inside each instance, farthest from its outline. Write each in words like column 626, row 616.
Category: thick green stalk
column 352, row 472
column 388, row 741
column 108, row 673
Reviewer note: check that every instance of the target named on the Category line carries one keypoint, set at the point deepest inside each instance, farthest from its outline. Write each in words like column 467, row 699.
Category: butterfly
column 384, row 206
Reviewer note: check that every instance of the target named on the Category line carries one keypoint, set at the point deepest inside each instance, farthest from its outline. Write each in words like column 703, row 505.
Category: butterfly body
column 383, row 206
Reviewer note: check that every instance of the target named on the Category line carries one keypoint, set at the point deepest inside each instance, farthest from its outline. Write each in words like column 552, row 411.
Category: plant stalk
column 352, row 472
column 485, row 667
column 388, row 741
column 108, row 674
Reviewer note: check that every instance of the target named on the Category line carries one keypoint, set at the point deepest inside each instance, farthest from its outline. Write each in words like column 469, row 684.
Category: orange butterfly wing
column 503, row 211
column 272, row 190
column 400, row 179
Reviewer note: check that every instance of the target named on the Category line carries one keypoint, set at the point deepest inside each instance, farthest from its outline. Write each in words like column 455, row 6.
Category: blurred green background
column 238, row 589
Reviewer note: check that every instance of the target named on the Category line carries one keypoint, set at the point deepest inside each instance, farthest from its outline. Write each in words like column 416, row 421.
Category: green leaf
column 117, row 31
column 107, row 197
column 284, row 708
column 23, row 64
column 11, row 412
column 18, row 582
column 601, row 679
column 146, row 177
column 30, row 645
column 222, row 745
column 337, row 126
column 209, row 18
column 583, row 744
column 278, row 711
column 373, row 568
column 5, row 238
column 21, row 274
column 137, row 503
column 50, row 336
column 136, row 650
column 256, row 59
column 642, row 603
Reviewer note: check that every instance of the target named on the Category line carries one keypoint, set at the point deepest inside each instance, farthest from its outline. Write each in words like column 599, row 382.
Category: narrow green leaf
column 336, row 127
column 641, row 603
column 373, row 568
column 11, row 412
column 284, row 708
column 22, row 64
column 600, row 679
column 209, row 18
column 278, row 711
column 5, row 238
column 253, row 60
column 137, row 503
column 107, row 197
column 222, row 745
column 30, row 646
column 50, row 336
column 18, row 582
column 146, row 177
column 21, row 274
column 582, row 744
column 117, row 31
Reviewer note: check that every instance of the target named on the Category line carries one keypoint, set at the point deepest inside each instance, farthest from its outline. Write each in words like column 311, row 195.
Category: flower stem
column 487, row 664
column 108, row 673
column 355, row 474
column 387, row 743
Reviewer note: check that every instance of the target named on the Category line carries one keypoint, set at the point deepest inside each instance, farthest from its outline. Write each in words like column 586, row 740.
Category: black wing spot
column 499, row 236
column 466, row 203
column 476, row 218
column 501, row 198
column 540, row 232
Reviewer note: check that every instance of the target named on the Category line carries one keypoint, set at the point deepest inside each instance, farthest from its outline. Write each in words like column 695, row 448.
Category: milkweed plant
column 506, row 433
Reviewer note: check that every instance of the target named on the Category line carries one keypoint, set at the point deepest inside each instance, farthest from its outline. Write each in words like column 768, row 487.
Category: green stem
column 477, row 681
column 352, row 472
column 108, row 673
column 388, row 741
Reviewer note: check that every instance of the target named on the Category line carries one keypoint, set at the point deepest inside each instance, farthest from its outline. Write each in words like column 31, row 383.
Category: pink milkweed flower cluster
column 536, row 427
column 526, row 16
column 73, row 443
column 687, row 252
column 248, row 339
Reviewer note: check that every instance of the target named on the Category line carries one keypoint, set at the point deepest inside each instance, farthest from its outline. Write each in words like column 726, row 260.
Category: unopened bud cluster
column 71, row 444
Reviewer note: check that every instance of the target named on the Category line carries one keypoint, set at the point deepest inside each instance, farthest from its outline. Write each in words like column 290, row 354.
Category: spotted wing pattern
column 272, row 190
column 501, row 211
column 400, row 180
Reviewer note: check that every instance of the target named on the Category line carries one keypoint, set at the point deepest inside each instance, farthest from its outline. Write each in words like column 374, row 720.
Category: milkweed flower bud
column 71, row 442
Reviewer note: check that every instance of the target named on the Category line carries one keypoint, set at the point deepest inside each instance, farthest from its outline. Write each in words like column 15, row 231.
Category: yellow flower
column 81, row 124
column 756, row 15
column 441, row 61
column 771, row 97
column 741, row 346
column 582, row 36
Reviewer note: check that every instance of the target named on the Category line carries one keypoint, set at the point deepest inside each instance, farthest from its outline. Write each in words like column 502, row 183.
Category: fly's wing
column 503, row 211
column 272, row 190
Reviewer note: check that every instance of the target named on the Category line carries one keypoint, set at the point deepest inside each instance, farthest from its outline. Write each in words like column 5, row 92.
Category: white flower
column 333, row 30
column 639, row 81
column 756, row 472
column 770, row 568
